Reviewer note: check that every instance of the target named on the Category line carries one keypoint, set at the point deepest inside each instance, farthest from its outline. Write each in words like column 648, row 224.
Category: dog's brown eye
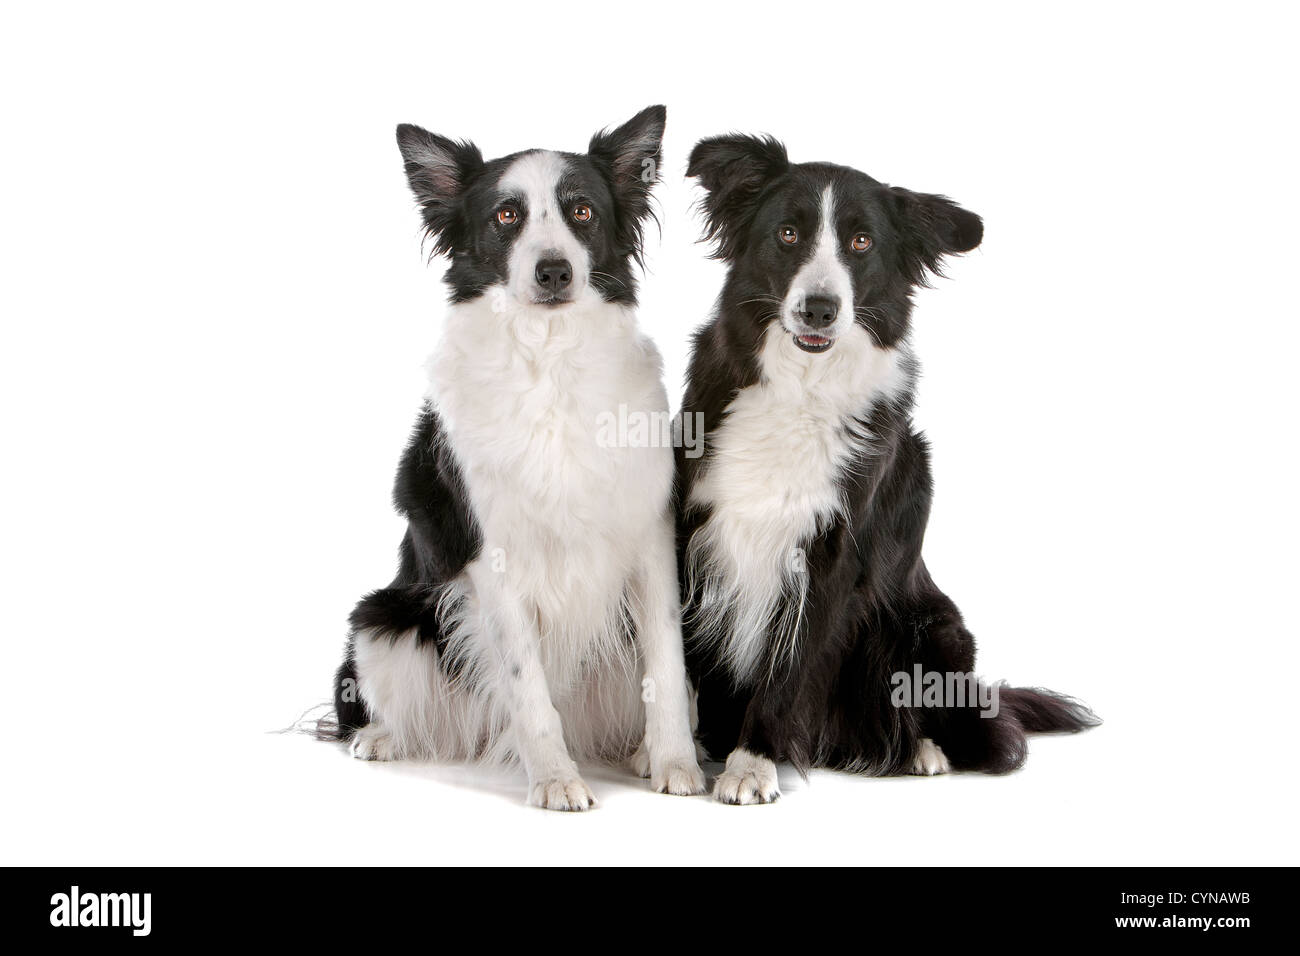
column 507, row 216
column 582, row 213
column 861, row 242
column 789, row 235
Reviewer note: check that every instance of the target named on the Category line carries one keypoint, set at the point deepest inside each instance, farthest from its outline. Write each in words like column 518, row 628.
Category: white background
column 215, row 313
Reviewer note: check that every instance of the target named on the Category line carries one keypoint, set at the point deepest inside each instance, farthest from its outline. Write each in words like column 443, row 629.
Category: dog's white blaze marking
column 546, row 231
column 772, row 481
column 747, row 779
column 823, row 274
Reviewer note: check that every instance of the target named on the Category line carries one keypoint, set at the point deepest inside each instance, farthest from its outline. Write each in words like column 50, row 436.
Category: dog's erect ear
column 630, row 157
column 437, row 169
column 930, row 228
column 733, row 170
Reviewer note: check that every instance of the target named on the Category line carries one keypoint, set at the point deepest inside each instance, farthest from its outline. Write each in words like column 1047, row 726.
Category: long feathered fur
column 810, row 452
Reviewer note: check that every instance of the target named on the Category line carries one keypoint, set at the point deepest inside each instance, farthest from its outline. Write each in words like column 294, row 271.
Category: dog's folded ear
column 630, row 156
column 931, row 227
column 437, row 169
column 733, row 170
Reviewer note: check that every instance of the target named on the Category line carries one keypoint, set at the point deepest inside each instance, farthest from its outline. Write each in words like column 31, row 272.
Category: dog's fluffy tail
column 341, row 718
column 349, row 713
column 972, row 741
column 320, row 721
column 1040, row 711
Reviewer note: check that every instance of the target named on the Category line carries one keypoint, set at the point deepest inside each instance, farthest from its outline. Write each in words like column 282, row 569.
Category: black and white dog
column 536, row 613
column 800, row 528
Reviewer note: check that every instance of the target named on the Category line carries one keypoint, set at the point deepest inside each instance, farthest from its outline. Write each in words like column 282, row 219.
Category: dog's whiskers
column 606, row 275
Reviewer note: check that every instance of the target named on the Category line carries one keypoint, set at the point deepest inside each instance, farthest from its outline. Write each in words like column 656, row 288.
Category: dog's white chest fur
column 521, row 393
column 772, row 480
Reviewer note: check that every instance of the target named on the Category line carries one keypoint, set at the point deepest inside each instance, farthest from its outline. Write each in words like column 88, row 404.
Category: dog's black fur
column 872, row 608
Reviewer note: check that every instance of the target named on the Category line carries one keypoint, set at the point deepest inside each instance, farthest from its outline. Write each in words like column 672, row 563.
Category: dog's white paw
column 639, row 762
column 561, row 793
column 747, row 779
column 373, row 742
column 681, row 777
column 684, row 778
column 929, row 759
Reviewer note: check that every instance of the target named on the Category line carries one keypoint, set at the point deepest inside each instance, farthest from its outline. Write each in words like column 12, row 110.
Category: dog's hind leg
column 404, row 682
column 398, row 680
column 929, row 759
column 373, row 742
column 946, row 648
column 983, row 726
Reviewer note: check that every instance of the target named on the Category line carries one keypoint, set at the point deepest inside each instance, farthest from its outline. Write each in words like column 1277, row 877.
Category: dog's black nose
column 554, row 274
column 819, row 311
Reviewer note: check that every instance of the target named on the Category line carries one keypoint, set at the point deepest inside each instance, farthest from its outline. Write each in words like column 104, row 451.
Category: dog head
column 539, row 228
column 822, row 248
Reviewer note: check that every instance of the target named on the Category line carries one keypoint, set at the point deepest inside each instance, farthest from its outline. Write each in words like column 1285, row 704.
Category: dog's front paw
column 680, row 776
column 683, row 778
column 373, row 742
column 747, row 779
column 929, row 759
column 561, row 793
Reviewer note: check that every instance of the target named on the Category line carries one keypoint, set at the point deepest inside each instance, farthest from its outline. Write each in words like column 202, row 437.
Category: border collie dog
column 536, row 613
column 800, row 527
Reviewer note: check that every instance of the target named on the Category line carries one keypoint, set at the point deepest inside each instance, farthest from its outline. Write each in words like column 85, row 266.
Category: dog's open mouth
column 813, row 343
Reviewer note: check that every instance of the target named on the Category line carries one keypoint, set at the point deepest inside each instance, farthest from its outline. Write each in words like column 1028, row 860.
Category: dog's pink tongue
column 814, row 339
